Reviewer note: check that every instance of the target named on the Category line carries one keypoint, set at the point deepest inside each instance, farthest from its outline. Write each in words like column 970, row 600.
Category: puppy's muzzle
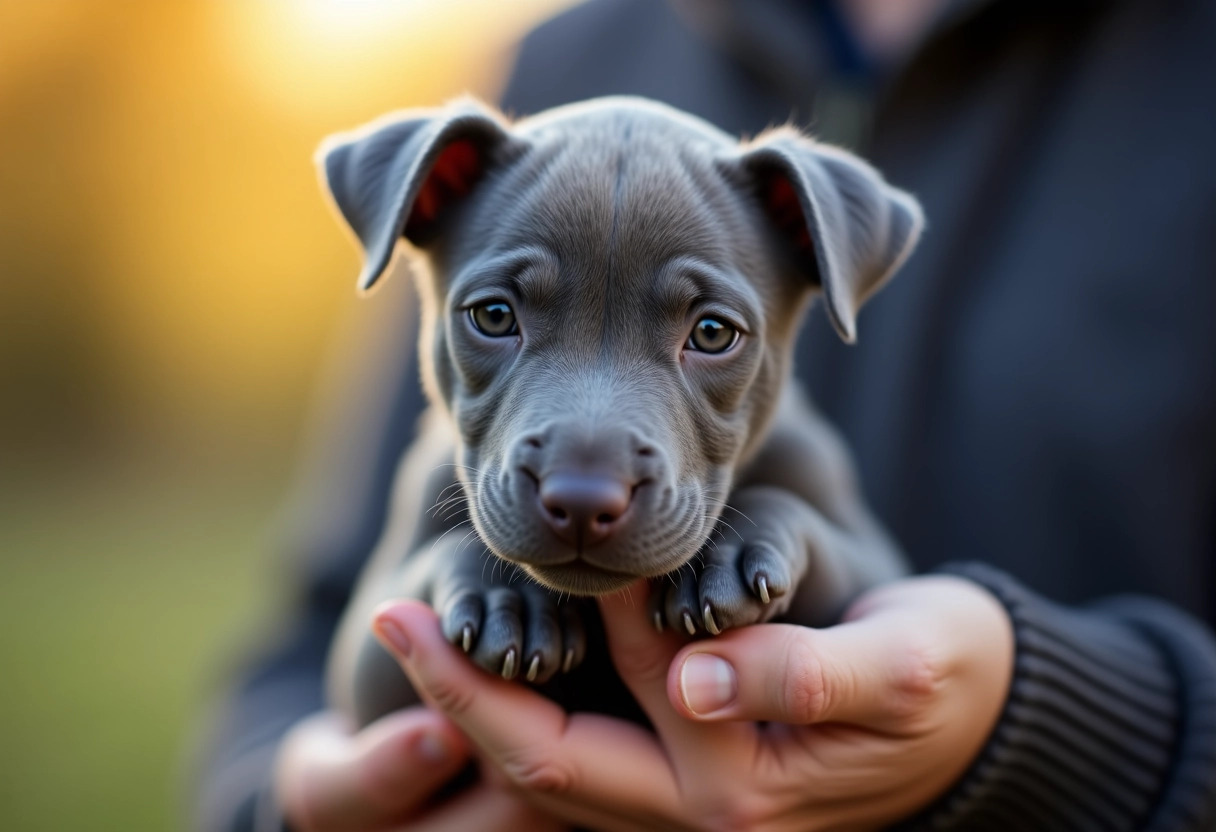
column 585, row 481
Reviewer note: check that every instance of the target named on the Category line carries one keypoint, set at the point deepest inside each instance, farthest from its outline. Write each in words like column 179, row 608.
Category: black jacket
column 1036, row 390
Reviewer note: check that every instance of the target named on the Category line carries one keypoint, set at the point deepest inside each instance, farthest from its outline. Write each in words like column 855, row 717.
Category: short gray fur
column 610, row 227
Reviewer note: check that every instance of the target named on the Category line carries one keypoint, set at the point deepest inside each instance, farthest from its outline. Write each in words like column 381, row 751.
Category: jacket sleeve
column 372, row 403
column 1110, row 721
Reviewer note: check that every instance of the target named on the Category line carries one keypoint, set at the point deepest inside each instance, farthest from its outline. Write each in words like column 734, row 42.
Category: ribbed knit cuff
column 1189, row 799
column 1090, row 736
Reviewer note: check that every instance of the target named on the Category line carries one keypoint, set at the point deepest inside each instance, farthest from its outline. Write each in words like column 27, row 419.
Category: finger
column 485, row 809
column 327, row 778
column 537, row 746
column 864, row 672
column 643, row 659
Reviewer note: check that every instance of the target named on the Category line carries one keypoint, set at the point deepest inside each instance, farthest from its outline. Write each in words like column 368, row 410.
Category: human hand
column 868, row 721
column 386, row 776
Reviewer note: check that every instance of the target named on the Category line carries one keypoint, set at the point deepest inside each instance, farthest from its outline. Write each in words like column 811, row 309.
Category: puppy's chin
column 580, row 578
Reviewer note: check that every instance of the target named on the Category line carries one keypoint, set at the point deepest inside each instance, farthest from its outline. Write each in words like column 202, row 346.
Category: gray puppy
column 610, row 297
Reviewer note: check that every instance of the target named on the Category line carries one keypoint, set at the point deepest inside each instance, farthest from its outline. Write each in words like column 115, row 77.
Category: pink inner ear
column 783, row 206
column 451, row 177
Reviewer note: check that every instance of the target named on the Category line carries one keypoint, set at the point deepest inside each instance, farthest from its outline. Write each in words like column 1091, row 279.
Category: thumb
column 866, row 672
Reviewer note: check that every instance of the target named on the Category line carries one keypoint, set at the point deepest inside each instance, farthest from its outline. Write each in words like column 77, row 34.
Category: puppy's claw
column 688, row 625
column 533, row 668
column 708, row 616
column 568, row 661
column 658, row 621
column 762, row 588
column 466, row 638
column 508, row 665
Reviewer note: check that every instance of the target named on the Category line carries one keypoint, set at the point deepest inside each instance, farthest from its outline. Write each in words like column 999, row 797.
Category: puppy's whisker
column 441, row 502
column 448, row 503
column 724, row 506
column 455, row 511
column 733, row 530
column 476, row 471
column 729, row 507
column 460, row 546
column 449, row 487
column 437, row 540
column 449, row 530
column 448, row 494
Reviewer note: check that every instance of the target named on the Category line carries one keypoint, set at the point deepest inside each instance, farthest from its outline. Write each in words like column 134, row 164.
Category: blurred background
column 171, row 281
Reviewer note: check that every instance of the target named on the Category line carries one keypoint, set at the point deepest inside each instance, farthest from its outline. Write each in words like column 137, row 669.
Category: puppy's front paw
column 514, row 628
column 730, row 584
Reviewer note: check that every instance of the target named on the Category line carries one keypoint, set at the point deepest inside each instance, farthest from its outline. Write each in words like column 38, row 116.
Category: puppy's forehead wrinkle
column 512, row 265
column 668, row 211
column 686, row 280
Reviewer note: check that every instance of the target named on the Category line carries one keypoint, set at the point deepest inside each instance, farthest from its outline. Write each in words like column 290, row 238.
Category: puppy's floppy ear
column 398, row 175
column 851, row 227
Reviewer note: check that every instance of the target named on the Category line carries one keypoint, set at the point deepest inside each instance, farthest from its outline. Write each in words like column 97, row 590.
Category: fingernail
column 397, row 641
column 432, row 748
column 707, row 683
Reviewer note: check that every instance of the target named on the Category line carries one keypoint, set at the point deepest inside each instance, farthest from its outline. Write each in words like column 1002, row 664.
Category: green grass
column 118, row 604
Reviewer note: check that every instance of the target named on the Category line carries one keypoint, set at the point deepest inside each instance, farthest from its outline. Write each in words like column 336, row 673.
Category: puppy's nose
column 583, row 508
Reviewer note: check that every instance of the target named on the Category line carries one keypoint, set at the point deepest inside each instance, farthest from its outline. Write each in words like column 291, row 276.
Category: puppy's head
column 610, row 295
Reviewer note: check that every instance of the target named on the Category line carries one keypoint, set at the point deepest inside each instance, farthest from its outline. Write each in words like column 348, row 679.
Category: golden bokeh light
column 165, row 241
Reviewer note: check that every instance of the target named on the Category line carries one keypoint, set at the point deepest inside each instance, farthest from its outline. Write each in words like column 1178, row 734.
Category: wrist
column 965, row 633
column 1085, row 733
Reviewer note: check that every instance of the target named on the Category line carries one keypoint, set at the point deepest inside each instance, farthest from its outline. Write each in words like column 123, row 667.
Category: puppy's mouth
column 664, row 529
column 580, row 577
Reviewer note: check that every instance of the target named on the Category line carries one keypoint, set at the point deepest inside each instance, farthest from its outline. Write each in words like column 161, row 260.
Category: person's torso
column 1037, row 387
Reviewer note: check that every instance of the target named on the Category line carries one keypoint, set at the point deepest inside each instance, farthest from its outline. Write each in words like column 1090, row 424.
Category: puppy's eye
column 494, row 319
column 712, row 335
